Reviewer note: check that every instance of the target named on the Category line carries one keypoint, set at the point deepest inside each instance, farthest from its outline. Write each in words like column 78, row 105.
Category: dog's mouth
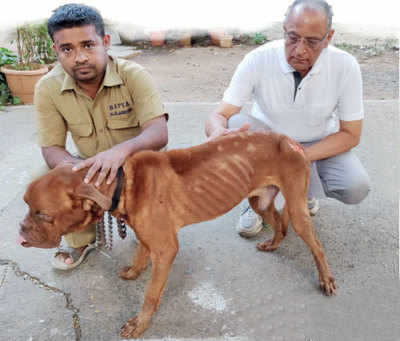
column 21, row 241
column 47, row 244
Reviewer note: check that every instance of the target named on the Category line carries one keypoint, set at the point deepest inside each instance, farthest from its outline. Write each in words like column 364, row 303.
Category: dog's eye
column 44, row 217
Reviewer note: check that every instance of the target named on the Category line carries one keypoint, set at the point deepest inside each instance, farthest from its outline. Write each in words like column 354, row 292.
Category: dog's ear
column 89, row 191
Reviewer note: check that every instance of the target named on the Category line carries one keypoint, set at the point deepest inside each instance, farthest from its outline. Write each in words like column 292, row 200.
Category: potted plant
column 23, row 75
column 43, row 43
column 6, row 57
column 157, row 37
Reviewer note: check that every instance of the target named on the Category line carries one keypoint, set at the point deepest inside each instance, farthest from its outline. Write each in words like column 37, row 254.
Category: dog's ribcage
column 218, row 187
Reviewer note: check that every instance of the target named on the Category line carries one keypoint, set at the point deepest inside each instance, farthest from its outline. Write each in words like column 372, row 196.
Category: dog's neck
column 112, row 201
column 115, row 191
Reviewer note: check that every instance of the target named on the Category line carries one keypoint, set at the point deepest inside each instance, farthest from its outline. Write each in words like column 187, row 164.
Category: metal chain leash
column 100, row 233
column 110, row 233
column 107, row 240
column 36, row 281
column 121, row 228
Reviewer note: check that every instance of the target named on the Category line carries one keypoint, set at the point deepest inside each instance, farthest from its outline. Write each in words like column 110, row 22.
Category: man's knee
column 355, row 193
column 37, row 172
column 81, row 238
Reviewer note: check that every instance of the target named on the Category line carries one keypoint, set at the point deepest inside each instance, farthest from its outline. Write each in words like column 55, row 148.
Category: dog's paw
column 129, row 273
column 267, row 246
column 328, row 286
column 132, row 329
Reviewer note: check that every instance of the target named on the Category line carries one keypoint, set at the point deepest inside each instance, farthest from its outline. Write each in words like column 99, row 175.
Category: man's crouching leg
column 344, row 178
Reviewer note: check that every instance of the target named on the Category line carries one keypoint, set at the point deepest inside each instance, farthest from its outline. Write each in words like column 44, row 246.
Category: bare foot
column 67, row 258
column 70, row 258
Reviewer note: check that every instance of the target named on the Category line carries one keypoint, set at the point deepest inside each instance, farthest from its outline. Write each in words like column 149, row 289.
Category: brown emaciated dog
column 165, row 191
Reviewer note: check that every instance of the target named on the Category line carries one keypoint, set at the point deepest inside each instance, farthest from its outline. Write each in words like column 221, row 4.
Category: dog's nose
column 20, row 240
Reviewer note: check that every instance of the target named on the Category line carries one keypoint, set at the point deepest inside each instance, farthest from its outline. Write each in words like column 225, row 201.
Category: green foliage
column 44, row 44
column 259, row 38
column 6, row 57
column 34, row 46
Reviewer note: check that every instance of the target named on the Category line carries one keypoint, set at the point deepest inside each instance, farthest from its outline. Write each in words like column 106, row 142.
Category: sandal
column 76, row 255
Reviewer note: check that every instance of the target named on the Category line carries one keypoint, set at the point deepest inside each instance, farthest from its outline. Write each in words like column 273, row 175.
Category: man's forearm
column 153, row 137
column 332, row 145
column 54, row 155
column 218, row 120
column 345, row 139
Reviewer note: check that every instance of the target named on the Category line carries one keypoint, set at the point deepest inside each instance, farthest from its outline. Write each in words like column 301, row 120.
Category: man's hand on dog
column 225, row 131
column 104, row 163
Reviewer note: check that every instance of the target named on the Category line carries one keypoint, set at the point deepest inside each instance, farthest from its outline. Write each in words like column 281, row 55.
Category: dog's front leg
column 162, row 255
column 139, row 263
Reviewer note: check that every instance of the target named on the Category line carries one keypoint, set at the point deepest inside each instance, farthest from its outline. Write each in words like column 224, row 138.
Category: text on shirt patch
column 118, row 109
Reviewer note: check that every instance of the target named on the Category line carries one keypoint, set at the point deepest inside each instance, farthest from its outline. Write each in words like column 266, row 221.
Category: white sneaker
column 250, row 223
column 313, row 206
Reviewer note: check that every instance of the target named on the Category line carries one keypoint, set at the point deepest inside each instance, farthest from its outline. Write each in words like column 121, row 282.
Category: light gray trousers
column 341, row 177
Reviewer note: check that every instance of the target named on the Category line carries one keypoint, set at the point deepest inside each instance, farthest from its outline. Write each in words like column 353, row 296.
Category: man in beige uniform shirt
column 110, row 106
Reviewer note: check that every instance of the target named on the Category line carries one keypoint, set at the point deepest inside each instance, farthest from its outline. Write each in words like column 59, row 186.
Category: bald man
column 305, row 88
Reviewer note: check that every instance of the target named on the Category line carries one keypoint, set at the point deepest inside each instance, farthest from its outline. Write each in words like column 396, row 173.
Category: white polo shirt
column 331, row 90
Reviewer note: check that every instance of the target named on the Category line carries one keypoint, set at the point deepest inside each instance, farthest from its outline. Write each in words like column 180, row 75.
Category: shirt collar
column 111, row 78
column 287, row 68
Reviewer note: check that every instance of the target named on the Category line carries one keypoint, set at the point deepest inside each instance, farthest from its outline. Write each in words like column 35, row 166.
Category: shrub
column 34, row 47
column 259, row 39
column 6, row 57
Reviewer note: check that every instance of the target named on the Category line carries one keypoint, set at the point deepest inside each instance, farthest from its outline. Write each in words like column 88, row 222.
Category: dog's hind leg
column 163, row 250
column 273, row 218
column 302, row 224
column 269, row 215
column 140, row 262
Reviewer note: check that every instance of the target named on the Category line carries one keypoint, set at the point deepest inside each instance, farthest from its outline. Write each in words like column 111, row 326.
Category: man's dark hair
column 75, row 15
column 315, row 5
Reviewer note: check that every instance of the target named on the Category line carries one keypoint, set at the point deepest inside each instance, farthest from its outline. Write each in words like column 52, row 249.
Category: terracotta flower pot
column 157, row 38
column 185, row 39
column 220, row 38
column 22, row 83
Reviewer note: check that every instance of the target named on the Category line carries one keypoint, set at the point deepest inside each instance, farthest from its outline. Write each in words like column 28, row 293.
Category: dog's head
column 59, row 203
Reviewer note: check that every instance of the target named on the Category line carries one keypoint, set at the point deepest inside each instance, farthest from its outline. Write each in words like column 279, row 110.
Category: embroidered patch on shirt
column 118, row 109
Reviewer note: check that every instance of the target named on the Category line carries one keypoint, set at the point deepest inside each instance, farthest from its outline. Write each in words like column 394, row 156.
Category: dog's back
column 215, row 176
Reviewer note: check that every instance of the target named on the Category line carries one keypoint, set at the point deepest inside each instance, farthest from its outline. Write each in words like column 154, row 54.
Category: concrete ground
column 220, row 286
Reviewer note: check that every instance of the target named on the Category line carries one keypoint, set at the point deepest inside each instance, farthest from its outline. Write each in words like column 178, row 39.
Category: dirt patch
column 202, row 73
column 381, row 75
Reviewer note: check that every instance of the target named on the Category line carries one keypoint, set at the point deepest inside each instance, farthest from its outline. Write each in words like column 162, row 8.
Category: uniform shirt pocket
column 81, row 129
column 84, row 139
column 122, row 130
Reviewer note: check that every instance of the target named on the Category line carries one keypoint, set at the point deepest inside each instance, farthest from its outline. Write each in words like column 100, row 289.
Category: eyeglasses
column 313, row 43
